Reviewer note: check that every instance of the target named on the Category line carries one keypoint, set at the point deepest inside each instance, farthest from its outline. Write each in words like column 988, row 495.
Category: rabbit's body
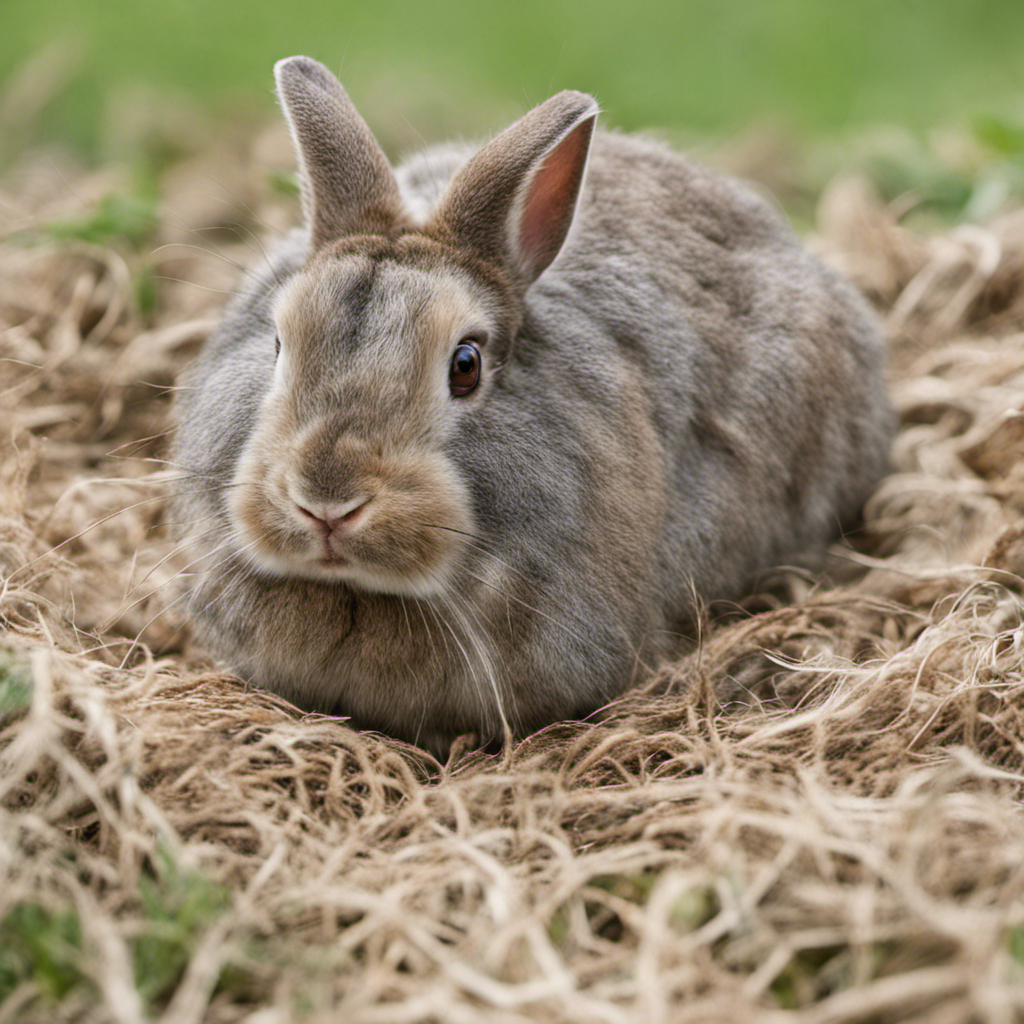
column 682, row 398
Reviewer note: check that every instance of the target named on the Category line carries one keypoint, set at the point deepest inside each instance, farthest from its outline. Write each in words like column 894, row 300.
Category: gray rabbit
column 467, row 454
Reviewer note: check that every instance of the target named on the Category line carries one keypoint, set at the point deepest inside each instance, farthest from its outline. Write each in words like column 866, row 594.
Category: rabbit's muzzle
column 391, row 521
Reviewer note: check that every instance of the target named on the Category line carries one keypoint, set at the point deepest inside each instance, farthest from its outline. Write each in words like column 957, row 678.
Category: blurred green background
column 703, row 66
column 925, row 97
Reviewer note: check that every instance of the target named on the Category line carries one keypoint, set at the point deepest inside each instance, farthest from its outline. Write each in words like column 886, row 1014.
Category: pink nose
column 341, row 517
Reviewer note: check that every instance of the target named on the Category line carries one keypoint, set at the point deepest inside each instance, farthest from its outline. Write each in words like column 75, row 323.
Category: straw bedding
column 815, row 815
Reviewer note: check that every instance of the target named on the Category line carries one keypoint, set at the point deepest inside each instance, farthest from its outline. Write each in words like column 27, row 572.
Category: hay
column 816, row 816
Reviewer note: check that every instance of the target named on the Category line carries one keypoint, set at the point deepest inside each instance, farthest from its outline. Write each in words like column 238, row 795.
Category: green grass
column 43, row 948
column 117, row 218
column 15, row 684
column 692, row 908
column 178, row 907
column 451, row 65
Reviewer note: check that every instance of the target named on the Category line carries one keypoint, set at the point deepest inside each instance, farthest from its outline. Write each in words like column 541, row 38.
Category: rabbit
column 468, row 454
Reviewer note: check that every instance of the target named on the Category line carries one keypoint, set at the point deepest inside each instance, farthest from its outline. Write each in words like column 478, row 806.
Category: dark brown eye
column 277, row 346
column 464, row 373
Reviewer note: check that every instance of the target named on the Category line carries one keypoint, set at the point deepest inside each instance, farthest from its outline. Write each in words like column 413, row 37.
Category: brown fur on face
column 339, row 427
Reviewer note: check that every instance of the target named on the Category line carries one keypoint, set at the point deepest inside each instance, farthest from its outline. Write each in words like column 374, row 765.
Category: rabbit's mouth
column 333, row 561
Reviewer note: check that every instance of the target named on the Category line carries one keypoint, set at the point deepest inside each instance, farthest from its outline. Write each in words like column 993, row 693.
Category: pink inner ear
column 551, row 200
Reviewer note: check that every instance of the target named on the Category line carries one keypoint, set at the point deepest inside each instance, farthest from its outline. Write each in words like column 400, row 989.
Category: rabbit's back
column 765, row 368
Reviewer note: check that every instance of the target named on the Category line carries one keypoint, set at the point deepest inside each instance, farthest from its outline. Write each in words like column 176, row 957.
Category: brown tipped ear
column 346, row 180
column 514, row 201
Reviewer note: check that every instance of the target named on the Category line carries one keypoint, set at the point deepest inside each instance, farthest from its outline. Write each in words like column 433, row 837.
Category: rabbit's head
column 390, row 336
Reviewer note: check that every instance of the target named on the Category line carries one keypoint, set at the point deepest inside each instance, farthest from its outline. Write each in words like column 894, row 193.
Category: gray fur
column 684, row 397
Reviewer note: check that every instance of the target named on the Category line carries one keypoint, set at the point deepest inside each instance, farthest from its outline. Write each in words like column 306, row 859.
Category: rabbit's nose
column 339, row 517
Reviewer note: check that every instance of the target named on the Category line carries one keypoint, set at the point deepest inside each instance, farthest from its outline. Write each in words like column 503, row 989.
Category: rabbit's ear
column 514, row 200
column 346, row 181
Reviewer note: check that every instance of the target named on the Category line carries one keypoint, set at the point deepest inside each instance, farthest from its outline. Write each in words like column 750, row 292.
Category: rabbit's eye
column 464, row 373
column 277, row 346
